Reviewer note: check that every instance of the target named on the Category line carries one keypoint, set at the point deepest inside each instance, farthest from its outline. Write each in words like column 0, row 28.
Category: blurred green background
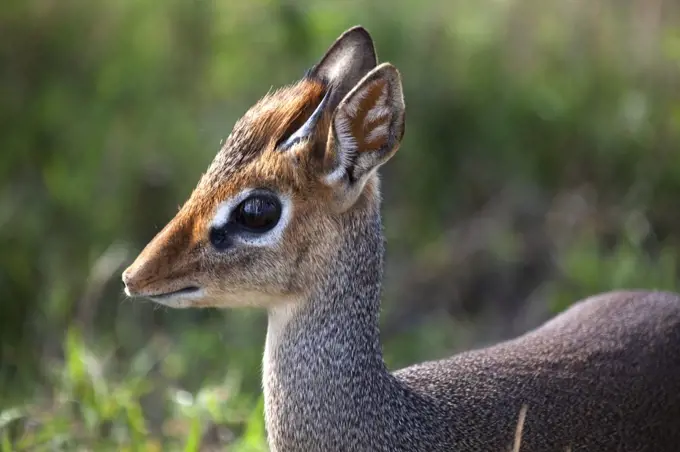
column 540, row 164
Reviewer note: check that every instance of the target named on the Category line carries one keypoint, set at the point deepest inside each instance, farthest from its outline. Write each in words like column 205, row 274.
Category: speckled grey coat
column 602, row 376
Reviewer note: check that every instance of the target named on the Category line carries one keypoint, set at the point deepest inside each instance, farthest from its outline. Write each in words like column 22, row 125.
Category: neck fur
column 323, row 355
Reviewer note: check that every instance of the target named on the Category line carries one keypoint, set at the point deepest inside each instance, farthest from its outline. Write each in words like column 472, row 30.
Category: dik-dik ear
column 366, row 130
column 350, row 58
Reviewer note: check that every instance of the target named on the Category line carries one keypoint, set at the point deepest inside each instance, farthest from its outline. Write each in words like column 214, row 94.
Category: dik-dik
column 287, row 218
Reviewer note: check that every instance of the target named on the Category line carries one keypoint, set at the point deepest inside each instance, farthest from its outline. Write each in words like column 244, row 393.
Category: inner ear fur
column 350, row 58
column 366, row 128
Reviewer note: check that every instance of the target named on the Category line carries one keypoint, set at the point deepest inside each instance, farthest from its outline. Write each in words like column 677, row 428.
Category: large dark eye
column 259, row 213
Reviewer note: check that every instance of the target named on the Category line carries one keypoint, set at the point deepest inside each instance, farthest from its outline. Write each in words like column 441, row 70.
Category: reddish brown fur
column 178, row 256
column 361, row 127
column 181, row 255
column 249, row 151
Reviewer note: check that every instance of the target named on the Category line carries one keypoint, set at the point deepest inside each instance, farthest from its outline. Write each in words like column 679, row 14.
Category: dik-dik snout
column 266, row 217
column 165, row 271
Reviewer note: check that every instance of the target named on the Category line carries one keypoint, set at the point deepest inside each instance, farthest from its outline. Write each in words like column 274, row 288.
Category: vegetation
column 539, row 165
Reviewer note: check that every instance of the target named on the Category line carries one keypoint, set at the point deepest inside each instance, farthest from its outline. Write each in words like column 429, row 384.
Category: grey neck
column 323, row 365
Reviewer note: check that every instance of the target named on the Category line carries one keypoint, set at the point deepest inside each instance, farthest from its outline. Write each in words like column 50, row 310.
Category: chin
column 194, row 297
column 181, row 299
column 202, row 299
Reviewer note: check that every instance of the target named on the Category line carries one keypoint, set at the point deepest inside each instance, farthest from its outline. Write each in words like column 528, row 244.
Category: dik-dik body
column 287, row 218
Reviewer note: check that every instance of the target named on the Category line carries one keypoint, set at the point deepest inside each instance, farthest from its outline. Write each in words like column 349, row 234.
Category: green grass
column 85, row 408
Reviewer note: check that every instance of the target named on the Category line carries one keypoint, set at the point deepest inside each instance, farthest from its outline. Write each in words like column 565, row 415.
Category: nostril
column 127, row 277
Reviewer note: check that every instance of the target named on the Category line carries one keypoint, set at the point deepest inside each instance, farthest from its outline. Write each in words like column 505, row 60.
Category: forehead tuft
column 259, row 128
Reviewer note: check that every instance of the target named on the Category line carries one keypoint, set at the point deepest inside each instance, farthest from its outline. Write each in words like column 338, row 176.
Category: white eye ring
column 269, row 238
column 223, row 212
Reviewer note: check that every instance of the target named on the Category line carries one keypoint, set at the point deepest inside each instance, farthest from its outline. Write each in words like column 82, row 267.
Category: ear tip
column 358, row 32
column 348, row 59
column 359, row 37
column 387, row 68
column 386, row 71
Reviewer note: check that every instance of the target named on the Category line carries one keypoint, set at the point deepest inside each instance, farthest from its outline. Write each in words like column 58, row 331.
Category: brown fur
column 362, row 127
column 180, row 254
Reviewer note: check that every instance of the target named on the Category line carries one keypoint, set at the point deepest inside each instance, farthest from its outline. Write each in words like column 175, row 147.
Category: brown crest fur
column 180, row 255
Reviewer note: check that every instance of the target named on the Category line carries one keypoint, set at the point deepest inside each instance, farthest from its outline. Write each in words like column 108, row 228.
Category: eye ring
column 259, row 213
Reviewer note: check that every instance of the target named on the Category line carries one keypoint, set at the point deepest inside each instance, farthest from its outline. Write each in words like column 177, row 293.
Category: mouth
column 186, row 291
column 182, row 298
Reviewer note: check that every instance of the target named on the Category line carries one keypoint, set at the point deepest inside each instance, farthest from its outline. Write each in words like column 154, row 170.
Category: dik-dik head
column 266, row 216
